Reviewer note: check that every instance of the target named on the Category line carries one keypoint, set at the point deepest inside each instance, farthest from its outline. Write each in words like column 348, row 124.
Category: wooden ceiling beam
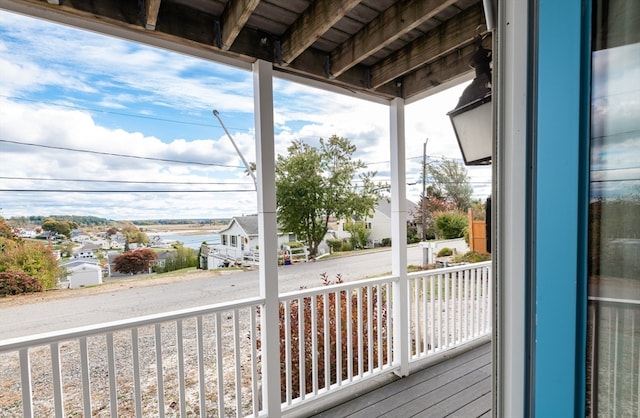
column 453, row 34
column 438, row 57
column 441, row 71
column 152, row 7
column 316, row 20
column 394, row 22
column 233, row 19
column 311, row 64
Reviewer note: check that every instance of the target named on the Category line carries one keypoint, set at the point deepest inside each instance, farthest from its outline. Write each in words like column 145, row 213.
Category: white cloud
column 70, row 85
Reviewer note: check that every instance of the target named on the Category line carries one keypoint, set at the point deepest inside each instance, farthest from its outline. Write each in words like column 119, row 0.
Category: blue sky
column 144, row 115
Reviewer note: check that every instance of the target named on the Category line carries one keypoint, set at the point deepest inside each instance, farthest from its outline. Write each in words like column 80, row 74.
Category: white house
column 84, row 254
column 83, row 273
column 379, row 225
column 238, row 243
column 25, row 233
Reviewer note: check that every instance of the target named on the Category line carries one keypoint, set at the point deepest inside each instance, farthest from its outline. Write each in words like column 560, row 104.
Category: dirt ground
column 183, row 229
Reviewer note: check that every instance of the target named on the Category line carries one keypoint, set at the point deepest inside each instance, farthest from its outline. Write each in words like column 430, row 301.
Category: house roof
column 79, row 261
column 377, row 49
column 384, row 207
column 248, row 224
column 85, row 266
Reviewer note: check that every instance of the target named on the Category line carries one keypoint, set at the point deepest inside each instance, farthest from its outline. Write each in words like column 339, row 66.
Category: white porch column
column 268, row 235
column 510, row 349
column 399, row 237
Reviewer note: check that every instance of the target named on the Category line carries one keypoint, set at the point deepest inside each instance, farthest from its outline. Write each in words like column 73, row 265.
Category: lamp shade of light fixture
column 473, row 126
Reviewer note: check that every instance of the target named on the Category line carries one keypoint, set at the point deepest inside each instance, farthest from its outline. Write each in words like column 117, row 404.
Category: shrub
column 30, row 257
column 451, row 225
column 334, row 244
column 181, row 258
column 386, row 242
column 359, row 233
column 307, row 337
column 346, row 246
column 412, row 235
column 472, row 257
column 15, row 283
column 445, row 252
column 136, row 261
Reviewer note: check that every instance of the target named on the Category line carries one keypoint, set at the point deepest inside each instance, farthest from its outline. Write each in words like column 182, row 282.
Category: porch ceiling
column 385, row 48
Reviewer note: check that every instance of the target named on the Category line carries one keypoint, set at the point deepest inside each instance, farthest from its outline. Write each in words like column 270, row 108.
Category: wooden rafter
column 439, row 56
column 319, row 17
column 396, row 21
column 152, row 7
column 451, row 35
column 440, row 71
column 234, row 17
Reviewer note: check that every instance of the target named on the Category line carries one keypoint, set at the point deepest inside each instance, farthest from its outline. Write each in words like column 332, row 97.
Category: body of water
column 189, row 240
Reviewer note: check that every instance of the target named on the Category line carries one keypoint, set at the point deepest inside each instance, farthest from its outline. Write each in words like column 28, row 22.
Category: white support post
column 509, row 216
column 268, row 236
column 399, row 238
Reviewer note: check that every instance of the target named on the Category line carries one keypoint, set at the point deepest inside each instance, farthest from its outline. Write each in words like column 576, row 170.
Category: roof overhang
column 374, row 49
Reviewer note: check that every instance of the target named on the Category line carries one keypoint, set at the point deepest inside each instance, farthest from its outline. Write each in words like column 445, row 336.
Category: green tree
column 59, row 227
column 359, row 233
column 451, row 182
column 29, row 257
column 66, row 249
column 315, row 184
column 133, row 234
column 5, row 229
column 434, row 202
column 451, row 225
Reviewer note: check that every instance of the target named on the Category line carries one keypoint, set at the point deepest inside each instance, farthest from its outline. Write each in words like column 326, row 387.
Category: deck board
column 457, row 387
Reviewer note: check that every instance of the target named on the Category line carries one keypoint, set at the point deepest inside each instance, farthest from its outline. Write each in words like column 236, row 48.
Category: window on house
column 225, row 239
column 234, row 241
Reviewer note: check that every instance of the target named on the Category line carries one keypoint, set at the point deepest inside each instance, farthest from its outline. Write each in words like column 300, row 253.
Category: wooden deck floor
column 457, row 387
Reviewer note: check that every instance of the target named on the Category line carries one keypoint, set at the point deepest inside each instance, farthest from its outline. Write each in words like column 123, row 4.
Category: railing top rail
column 13, row 344
column 445, row 270
column 614, row 300
column 337, row 287
column 17, row 343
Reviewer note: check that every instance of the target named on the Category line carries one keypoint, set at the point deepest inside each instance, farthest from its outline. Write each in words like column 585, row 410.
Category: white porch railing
column 613, row 366
column 206, row 361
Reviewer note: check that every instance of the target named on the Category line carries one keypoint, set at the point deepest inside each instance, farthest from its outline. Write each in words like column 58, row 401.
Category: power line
column 110, row 154
column 147, row 158
column 110, row 112
column 431, row 158
column 125, row 191
column 183, row 183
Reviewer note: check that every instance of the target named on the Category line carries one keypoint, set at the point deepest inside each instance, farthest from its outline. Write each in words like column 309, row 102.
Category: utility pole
column 424, row 190
column 253, row 176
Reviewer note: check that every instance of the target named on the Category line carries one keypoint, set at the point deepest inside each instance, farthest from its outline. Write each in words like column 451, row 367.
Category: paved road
column 126, row 303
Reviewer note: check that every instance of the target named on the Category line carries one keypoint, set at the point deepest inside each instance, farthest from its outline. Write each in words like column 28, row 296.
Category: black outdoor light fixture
column 472, row 119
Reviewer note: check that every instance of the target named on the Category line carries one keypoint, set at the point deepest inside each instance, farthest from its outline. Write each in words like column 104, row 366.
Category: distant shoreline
column 184, row 229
